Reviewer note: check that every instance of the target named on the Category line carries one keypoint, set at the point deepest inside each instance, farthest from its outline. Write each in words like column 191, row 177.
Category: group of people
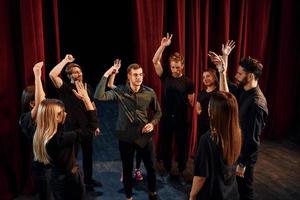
column 230, row 121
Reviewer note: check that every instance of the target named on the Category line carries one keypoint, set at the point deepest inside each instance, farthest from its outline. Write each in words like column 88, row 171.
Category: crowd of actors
column 230, row 120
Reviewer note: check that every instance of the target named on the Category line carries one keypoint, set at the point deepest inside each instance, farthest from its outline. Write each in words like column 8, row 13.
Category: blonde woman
column 52, row 145
column 219, row 149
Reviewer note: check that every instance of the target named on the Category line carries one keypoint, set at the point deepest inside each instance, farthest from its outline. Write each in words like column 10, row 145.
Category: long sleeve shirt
column 135, row 108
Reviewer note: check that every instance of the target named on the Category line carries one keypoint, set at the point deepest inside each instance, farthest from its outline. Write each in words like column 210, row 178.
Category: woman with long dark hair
column 219, row 149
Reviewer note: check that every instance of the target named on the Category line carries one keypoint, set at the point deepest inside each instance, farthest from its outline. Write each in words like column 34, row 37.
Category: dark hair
column 213, row 72
column 224, row 124
column 176, row 57
column 69, row 68
column 133, row 66
column 27, row 97
column 252, row 65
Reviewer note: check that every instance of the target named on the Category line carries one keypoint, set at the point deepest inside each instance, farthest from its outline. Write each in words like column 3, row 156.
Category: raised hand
column 117, row 66
column 227, row 48
column 37, row 69
column 81, row 92
column 166, row 41
column 218, row 61
column 69, row 58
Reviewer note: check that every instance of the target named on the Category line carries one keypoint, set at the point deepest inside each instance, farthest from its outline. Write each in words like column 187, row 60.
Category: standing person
column 52, row 145
column 76, row 112
column 253, row 113
column 210, row 82
column 178, row 95
column 135, row 125
column 31, row 99
column 219, row 149
column 137, row 171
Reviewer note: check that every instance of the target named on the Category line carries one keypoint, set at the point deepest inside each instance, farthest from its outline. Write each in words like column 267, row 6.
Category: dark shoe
column 96, row 183
column 153, row 196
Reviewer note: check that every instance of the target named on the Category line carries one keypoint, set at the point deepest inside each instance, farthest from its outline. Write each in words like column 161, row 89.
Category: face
column 208, row 79
column 241, row 77
column 176, row 68
column 76, row 74
column 61, row 115
column 135, row 77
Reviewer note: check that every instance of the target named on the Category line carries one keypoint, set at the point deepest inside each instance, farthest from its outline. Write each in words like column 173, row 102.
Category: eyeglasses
column 136, row 75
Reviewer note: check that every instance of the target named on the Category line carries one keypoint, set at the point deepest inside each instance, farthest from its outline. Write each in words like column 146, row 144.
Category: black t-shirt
column 176, row 91
column 220, row 180
column 28, row 126
column 75, row 108
column 60, row 147
column 203, row 119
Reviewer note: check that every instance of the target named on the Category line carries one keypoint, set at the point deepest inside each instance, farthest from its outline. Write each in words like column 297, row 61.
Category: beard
column 242, row 82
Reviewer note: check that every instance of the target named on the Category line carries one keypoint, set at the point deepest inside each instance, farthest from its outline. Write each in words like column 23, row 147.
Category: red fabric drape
column 22, row 44
column 261, row 29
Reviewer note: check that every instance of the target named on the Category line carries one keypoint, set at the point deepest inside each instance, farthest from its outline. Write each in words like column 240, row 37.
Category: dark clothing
column 65, row 176
column 127, row 151
column 253, row 113
column 174, row 122
column 134, row 108
column 220, row 183
column 203, row 119
column 39, row 170
column 77, row 119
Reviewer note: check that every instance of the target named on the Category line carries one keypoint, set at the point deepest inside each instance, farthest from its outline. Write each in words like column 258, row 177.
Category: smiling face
column 76, row 74
column 176, row 68
column 208, row 79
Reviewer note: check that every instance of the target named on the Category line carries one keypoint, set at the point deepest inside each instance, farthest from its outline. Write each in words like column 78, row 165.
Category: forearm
column 111, row 81
column 55, row 72
column 156, row 60
column 223, row 82
column 39, row 96
column 196, row 186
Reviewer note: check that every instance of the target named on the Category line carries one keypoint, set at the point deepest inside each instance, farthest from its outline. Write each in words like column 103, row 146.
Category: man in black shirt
column 253, row 112
column 135, row 123
column 76, row 113
column 178, row 95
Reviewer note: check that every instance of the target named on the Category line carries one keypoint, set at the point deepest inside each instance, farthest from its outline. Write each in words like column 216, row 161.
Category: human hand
column 117, row 66
column 148, row 128
column 166, row 41
column 240, row 171
column 227, row 48
column 81, row 92
column 69, row 58
column 218, row 61
column 37, row 69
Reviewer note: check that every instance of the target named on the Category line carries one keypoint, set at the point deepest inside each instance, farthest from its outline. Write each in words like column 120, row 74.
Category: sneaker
column 153, row 196
column 138, row 175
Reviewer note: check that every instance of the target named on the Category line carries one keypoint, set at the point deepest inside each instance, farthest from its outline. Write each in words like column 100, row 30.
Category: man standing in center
column 178, row 95
column 135, row 123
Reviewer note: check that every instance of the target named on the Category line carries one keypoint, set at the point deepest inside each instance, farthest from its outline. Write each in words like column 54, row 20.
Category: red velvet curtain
column 262, row 29
column 23, row 42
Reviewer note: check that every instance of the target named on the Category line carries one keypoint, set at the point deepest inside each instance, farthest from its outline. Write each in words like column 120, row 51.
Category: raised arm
column 81, row 93
column 222, row 69
column 226, row 50
column 166, row 41
column 39, row 94
column 111, row 80
column 55, row 72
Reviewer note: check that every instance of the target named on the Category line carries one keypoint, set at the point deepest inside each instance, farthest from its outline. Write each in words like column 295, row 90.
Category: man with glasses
column 135, row 123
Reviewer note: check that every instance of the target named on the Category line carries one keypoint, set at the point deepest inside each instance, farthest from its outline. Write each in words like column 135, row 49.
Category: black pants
column 177, row 128
column 86, row 143
column 40, row 175
column 245, row 185
column 127, row 151
column 66, row 185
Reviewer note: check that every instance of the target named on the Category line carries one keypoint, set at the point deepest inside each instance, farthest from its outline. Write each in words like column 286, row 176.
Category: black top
column 203, row 119
column 134, row 108
column 253, row 113
column 176, row 91
column 60, row 147
column 74, row 107
column 220, row 183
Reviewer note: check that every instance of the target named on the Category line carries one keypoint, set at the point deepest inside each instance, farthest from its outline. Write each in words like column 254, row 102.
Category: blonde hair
column 224, row 124
column 47, row 124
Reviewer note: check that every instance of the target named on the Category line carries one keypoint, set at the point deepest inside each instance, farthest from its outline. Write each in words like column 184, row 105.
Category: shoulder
column 148, row 89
